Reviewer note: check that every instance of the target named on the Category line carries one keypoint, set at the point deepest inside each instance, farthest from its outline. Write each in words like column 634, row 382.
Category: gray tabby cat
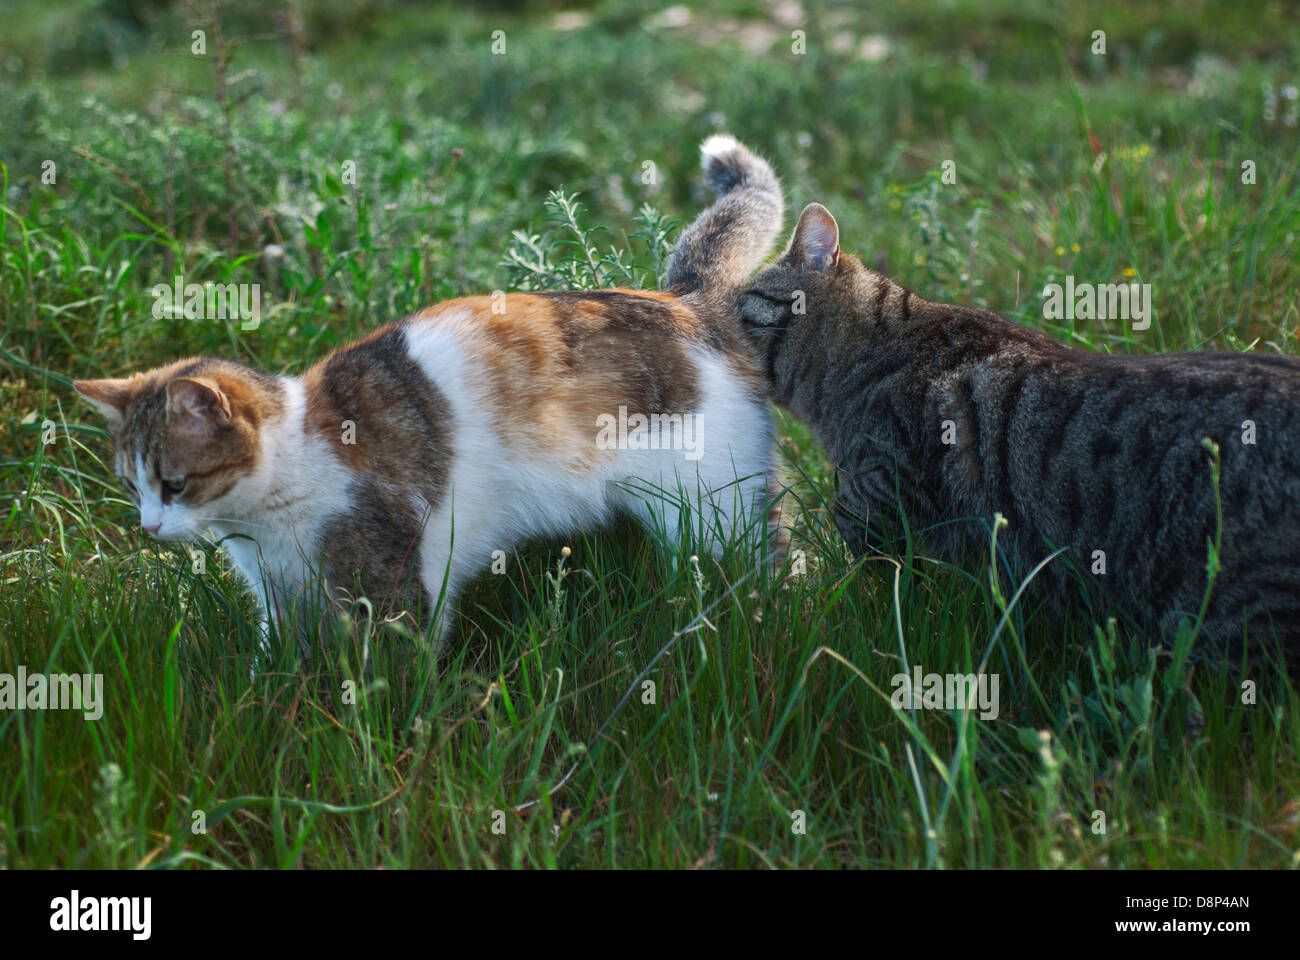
column 946, row 415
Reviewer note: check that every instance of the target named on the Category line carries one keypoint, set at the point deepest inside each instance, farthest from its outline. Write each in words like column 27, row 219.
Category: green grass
column 769, row 697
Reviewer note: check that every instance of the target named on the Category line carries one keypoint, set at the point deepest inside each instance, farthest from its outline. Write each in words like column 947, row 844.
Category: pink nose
column 152, row 529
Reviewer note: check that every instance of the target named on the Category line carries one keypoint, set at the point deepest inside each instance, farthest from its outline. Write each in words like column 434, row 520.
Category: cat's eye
column 780, row 301
column 174, row 488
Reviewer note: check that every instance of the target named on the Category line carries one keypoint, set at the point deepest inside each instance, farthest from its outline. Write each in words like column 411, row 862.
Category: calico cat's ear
column 109, row 397
column 199, row 397
column 816, row 243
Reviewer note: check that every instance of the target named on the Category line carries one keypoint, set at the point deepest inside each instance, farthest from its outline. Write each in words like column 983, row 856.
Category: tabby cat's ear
column 816, row 242
column 198, row 397
column 109, row 397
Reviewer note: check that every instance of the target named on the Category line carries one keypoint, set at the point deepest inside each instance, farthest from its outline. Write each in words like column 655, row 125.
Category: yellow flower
column 1136, row 154
column 919, row 259
column 1074, row 247
column 1060, row 251
column 1130, row 272
column 895, row 204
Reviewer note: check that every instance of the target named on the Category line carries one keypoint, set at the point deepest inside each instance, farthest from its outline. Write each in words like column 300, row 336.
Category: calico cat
column 396, row 466
column 944, row 415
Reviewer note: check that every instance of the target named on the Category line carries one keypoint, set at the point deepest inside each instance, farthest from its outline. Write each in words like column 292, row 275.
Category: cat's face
column 797, row 288
column 187, row 438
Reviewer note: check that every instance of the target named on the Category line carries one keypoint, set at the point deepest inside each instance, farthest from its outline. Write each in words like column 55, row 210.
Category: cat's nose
column 152, row 529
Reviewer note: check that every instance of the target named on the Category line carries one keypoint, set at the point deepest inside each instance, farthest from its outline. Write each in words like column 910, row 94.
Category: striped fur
column 399, row 465
column 1079, row 450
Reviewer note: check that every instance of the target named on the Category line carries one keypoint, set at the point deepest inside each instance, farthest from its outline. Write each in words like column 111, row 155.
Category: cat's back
column 536, row 370
column 1154, row 401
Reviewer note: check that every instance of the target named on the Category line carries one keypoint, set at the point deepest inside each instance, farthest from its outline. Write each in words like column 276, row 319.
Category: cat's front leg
column 442, row 574
column 245, row 555
column 265, row 655
column 852, row 524
column 858, row 508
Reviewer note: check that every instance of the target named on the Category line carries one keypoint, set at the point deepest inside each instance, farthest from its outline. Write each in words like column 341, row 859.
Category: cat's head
column 187, row 439
column 807, row 284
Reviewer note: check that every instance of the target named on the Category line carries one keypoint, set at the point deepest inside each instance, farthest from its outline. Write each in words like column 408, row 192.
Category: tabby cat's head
column 187, row 438
column 808, row 285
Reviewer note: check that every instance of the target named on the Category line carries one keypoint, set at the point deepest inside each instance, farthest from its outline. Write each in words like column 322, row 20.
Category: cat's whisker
column 247, row 523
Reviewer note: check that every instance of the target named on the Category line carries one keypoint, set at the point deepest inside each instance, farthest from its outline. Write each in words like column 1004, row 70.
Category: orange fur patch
column 556, row 362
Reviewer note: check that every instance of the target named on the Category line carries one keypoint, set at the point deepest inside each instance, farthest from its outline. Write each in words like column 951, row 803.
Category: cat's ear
column 198, row 397
column 109, row 397
column 816, row 242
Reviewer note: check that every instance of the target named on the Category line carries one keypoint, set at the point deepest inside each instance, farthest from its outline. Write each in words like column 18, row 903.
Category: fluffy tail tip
column 716, row 147
column 728, row 163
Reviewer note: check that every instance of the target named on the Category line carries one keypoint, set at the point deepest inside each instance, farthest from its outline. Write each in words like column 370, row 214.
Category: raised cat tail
column 727, row 242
